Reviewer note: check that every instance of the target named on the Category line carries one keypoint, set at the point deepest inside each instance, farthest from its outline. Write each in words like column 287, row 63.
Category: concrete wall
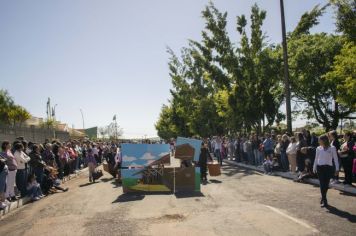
column 32, row 134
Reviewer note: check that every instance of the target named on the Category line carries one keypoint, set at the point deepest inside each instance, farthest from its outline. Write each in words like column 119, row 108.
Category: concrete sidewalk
column 23, row 201
column 288, row 175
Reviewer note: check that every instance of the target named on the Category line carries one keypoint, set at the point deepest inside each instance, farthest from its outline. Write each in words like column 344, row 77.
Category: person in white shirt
column 21, row 175
column 323, row 166
column 217, row 149
column 292, row 154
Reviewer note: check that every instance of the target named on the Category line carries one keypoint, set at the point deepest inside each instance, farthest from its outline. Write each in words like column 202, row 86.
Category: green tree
column 346, row 17
column 311, row 58
column 18, row 115
column 343, row 75
column 9, row 112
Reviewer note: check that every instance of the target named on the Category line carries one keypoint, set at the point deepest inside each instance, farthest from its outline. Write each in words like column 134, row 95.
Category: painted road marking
column 293, row 219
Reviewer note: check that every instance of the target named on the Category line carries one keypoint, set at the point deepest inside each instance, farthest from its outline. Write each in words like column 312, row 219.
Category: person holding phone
column 323, row 166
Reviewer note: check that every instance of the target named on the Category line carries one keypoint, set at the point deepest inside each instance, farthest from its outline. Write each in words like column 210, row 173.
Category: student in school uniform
column 323, row 166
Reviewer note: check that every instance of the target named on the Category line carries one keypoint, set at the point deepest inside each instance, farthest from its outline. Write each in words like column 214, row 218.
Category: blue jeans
column 256, row 156
column 3, row 175
column 39, row 174
column 35, row 191
column 218, row 155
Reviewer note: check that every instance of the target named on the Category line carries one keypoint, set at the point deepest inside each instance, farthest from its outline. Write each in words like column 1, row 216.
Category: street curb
column 23, row 201
column 340, row 187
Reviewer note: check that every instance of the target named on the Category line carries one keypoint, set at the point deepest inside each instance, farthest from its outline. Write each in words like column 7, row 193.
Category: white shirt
column 217, row 145
column 21, row 159
column 292, row 149
column 95, row 151
column 325, row 157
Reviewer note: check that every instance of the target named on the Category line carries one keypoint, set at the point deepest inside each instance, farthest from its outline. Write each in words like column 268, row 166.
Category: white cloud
column 135, row 165
column 149, row 162
column 129, row 159
column 148, row 156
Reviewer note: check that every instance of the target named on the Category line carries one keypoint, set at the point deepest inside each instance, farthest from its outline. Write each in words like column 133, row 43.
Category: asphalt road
column 240, row 202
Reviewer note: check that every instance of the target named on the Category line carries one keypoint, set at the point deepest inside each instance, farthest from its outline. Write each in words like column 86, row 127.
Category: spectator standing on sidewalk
column 292, row 154
column 21, row 175
column 334, row 141
column 217, row 149
column 3, row 176
column 301, row 142
column 48, row 156
column 255, row 145
column 347, row 156
column 12, row 167
column 37, row 164
column 268, row 146
column 323, row 166
column 284, row 157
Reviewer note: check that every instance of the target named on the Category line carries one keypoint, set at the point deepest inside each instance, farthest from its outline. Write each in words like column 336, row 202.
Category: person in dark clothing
column 323, row 166
column 334, row 141
column 307, row 137
column 203, row 160
column 36, row 163
column 55, row 149
column 48, row 156
column 347, row 156
column 50, row 181
column 110, row 159
column 284, row 157
column 300, row 156
column 314, row 140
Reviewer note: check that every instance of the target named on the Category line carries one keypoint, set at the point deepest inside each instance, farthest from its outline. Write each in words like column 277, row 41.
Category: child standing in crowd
column 91, row 162
column 323, row 166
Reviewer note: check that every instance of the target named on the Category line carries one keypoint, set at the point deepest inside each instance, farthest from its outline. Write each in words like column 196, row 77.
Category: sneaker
column 35, row 199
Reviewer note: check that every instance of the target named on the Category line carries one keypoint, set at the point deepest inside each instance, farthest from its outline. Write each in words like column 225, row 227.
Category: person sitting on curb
column 34, row 188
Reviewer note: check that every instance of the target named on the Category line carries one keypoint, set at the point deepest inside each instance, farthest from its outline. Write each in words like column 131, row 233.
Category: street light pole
column 54, row 120
column 286, row 71
column 81, row 111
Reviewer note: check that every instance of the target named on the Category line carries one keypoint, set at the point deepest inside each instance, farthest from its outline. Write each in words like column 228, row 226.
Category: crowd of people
column 35, row 170
column 304, row 154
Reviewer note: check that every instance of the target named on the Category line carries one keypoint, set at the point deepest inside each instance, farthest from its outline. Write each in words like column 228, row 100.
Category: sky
column 109, row 57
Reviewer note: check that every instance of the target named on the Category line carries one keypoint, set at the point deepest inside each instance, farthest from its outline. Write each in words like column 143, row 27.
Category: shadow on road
column 188, row 194
column 231, row 171
column 342, row 214
column 215, row 181
column 129, row 197
column 87, row 184
column 106, row 179
column 347, row 194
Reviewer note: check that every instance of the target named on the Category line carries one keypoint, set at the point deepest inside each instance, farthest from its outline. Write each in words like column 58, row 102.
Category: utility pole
column 81, row 111
column 286, row 71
